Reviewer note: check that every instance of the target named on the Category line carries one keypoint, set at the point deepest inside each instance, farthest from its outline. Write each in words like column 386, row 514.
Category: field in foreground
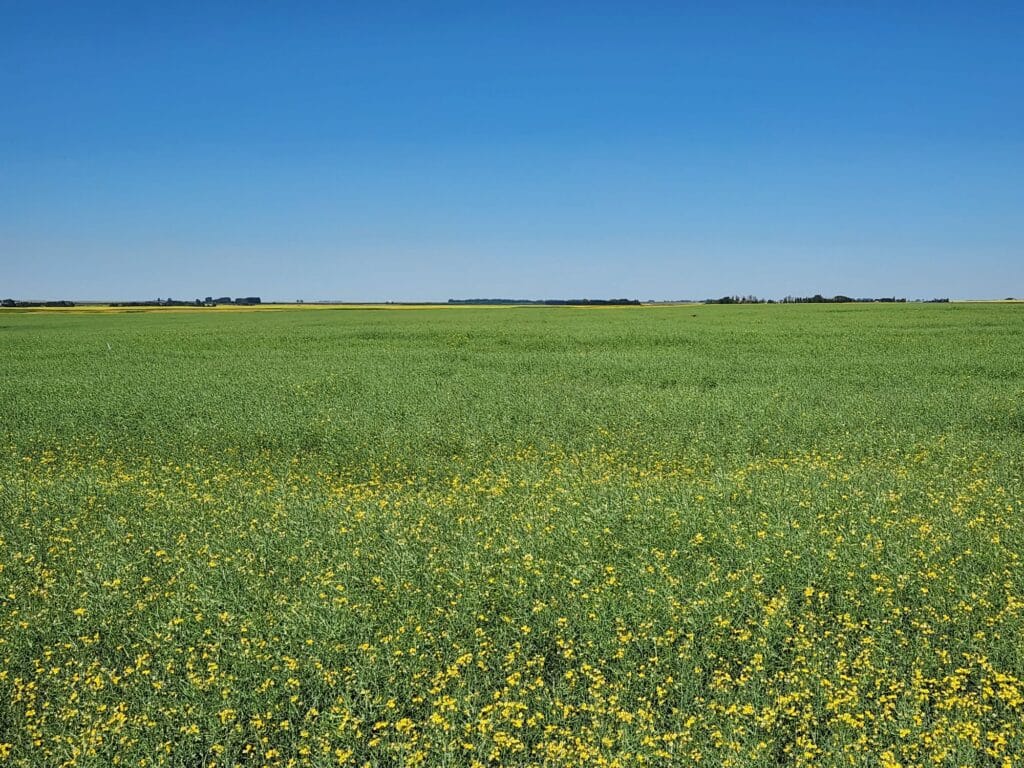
column 727, row 536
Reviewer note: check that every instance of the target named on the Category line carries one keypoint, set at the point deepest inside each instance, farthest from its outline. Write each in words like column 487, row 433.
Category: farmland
column 725, row 536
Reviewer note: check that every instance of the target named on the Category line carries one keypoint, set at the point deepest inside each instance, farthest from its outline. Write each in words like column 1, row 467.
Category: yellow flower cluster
column 545, row 608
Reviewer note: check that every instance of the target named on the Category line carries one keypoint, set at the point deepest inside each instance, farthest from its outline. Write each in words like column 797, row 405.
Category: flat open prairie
column 726, row 536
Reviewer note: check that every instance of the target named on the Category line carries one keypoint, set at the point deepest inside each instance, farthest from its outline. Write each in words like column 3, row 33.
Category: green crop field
column 681, row 535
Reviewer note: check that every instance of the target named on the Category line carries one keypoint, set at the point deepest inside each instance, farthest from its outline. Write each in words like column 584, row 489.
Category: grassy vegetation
column 732, row 536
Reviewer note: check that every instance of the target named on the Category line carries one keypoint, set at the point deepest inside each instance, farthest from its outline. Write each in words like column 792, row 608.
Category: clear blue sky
column 421, row 151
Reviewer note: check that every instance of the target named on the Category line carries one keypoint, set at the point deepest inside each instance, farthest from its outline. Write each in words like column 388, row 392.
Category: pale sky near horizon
column 407, row 151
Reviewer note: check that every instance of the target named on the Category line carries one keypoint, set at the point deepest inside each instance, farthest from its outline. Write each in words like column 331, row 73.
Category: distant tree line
column 209, row 301
column 243, row 300
column 815, row 299
column 550, row 302
column 838, row 299
column 16, row 303
column 739, row 300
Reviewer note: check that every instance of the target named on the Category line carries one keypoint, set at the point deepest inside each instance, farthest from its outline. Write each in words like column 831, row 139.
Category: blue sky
column 417, row 151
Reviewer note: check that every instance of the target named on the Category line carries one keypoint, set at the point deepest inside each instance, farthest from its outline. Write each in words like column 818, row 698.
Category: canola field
column 656, row 536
